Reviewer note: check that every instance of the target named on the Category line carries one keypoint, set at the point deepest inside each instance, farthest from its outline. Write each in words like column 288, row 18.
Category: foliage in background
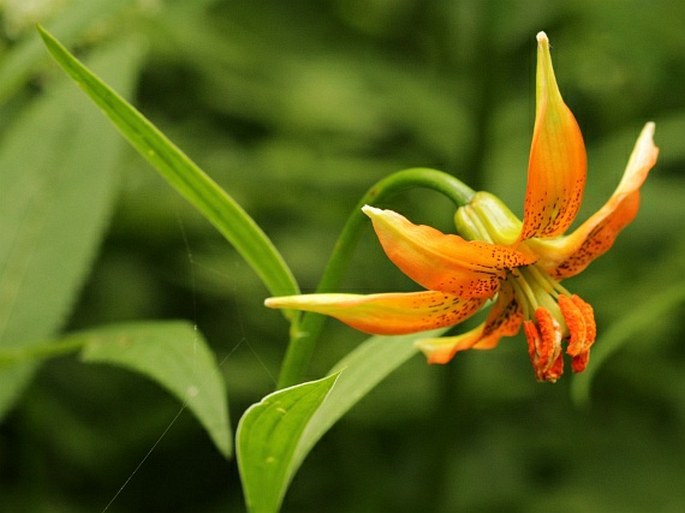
column 297, row 110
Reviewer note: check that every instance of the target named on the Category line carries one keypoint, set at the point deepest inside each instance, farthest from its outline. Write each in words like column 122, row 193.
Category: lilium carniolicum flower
column 518, row 265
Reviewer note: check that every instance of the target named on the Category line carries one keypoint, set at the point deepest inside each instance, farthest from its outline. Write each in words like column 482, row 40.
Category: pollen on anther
column 544, row 345
column 576, row 324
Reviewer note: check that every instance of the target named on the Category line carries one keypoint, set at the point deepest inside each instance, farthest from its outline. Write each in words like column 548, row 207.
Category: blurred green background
column 296, row 108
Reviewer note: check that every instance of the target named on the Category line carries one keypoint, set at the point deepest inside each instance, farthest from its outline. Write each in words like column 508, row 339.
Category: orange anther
column 576, row 323
column 555, row 371
column 544, row 345
column 578, row 363
column 589, row 316
column 580, row 320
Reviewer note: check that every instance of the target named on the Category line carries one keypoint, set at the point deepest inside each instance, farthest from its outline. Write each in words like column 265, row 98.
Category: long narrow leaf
column 183, row 174
column 17, row 65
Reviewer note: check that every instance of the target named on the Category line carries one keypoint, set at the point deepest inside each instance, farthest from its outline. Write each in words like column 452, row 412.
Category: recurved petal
column 504, row 320
column 557, row 163
column 571, row 254
column 446, row 263
column 386, row 314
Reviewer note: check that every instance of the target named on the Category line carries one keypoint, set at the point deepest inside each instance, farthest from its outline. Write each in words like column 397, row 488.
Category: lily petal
column 443, row 349
column 504, row 320
column 386, row 314
column 557, row 165
column 571, row 254
column 447, row 263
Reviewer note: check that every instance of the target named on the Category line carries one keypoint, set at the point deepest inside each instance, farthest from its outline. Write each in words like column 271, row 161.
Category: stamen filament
column 525, row 295
column 551, row 286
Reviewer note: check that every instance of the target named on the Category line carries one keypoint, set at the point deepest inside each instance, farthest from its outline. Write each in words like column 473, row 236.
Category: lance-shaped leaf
column 361, row 371
column 17, row 65
column 183, row 174
column 174, row 355
column 58, row 182
column 276, row 435
column 267, row 437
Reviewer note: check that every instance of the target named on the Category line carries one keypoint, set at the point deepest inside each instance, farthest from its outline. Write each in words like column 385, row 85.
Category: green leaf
column 173, row 354
column 183, row 174
column 17, row 65
column 267, row 437
column 57, row 195
column 275, row 436
column 361, row 371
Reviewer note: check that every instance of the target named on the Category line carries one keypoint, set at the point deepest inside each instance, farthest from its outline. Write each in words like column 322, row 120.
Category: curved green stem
column 304, row 334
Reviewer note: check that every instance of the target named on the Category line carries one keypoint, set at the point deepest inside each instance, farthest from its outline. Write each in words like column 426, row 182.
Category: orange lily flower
column 517, row 264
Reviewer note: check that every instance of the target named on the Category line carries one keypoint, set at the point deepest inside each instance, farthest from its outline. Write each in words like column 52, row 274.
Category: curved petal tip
column 557, row 162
